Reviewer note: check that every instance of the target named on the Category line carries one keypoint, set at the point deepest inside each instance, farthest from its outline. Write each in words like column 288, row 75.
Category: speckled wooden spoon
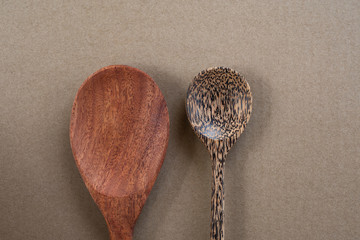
column 218, row 106
column 119, row 133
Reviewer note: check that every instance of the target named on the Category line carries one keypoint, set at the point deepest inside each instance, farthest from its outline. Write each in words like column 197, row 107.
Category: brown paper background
column 293, row 174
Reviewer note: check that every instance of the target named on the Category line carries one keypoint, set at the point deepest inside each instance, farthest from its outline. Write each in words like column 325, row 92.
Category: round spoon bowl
column 219, row 103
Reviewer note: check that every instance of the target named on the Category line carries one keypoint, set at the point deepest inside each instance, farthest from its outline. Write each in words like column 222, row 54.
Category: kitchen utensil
column 119, row 133
column 218, row 106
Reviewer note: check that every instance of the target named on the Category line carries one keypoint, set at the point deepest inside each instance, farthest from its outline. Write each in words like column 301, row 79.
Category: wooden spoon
column 119, row 133
column 218, row 106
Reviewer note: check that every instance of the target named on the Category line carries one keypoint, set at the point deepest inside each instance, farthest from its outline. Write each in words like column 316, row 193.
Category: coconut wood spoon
column 119, row 133
column 218, row 106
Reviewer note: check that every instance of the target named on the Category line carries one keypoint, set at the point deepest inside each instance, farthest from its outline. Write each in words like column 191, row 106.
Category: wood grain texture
column 119, row 133
column 218, row 106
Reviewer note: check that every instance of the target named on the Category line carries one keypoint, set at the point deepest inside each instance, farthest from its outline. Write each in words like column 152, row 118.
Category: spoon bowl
column 218, row 106
column 119, row 132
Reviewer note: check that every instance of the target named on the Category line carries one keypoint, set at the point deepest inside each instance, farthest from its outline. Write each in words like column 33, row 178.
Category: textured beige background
column 294, row 174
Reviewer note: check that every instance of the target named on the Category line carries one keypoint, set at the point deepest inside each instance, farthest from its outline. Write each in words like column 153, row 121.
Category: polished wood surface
column 119, row 133
column 218, row 106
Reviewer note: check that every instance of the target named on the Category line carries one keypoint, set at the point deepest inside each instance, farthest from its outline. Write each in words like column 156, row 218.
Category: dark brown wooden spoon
column 218, row 106
column 119, row 133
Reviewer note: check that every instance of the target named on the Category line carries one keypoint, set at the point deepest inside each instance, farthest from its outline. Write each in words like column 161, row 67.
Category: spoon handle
column 217, row 195
column 119, row 214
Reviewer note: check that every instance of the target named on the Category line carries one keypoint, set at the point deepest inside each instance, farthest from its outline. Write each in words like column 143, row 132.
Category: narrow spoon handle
column 217, row 196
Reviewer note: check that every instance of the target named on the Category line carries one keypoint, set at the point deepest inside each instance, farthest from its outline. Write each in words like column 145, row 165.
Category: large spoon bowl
column 218, row 106
column 119, row 133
